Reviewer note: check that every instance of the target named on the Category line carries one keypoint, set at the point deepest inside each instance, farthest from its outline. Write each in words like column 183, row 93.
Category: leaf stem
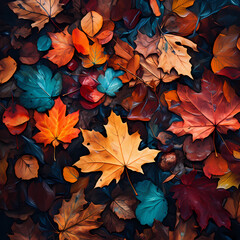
column 225, row 143
column 54, row 153
column 131, row 182
column 1, row 105
column 65, row 94
column 215, row 150
column 57, row 26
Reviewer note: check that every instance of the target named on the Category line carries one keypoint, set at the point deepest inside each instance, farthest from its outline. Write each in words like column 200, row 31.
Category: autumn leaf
column 96, row 56
column 91, row 23
column 56, row 128
column 3, row 169
column 26, row 231
column 202, row 112
column 233, row 205
column 63, row 49
column 229, row 180
column 15, row 118
column 146, row 45
column 201, row 196
column 173, row 55
column 74, row 222
column 225, row 51
column 26, row 167
column 8, row 67
column 80, row 41
column 215, row 165
column 155, row 8
column 179, row 6
column 113, row 154
column 37, row 11
column 70, row 174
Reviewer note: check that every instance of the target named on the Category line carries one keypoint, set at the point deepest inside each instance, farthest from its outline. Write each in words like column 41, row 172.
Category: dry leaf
column 92, row 23
column 37, row 11
column 113, row 154
column 175, row 56
column 179, row 6
column 8, row 67
column 74, row 222
column 229, row 180
column 225, row 51
column 26, row 167
column 63, row 49
column 233, row 205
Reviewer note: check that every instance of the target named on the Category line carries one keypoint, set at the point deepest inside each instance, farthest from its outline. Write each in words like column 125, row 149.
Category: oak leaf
column 113, row 154
column 63, row 49
column 37, row 11
column 203, row 112
column 173, row 55
column 26, row 167
column 92, row 23
column 200, row 195
column 225, row 51
column 8, row 67
column 74, row 222
column 96, row 56
column 56, row 127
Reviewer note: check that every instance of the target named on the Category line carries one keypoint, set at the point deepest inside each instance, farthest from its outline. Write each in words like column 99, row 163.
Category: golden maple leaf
column 113, row 154
column 173, row 55
column 74, row 223
column 38, row 11
column 56, row 127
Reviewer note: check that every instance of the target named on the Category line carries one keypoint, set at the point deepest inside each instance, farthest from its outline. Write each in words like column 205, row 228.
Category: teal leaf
column 153, row 203
column 39, row 86
column 44, row 43
column 110, row 83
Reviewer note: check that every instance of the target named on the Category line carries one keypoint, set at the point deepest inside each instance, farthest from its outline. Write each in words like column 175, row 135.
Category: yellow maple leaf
column 113, row 154
column 229, row 180
column 173, row 55
column 35, row 10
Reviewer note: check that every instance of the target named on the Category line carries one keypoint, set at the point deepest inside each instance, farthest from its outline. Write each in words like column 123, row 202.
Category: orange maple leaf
column 56, row 127
column 96, row 56
column 63, row 48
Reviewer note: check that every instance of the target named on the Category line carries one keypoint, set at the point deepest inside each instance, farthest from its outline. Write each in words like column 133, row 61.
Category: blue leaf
column 110, row 83
column 39, row 86
column 44, row 43
column 153, row 204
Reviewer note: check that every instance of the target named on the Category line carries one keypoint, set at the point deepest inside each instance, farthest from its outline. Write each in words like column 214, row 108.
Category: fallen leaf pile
column 120, row 120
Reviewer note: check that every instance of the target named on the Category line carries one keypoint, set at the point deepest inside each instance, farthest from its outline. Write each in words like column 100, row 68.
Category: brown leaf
column 26, row 231
column 29, row 54
column 26, row 167
column 146, row 45
column 122, row 206
column 112, row 222
column 74, row 222
column 3, row 169
column 21, row 31
column 233, row 205
column 37, row 11
column 226, row 53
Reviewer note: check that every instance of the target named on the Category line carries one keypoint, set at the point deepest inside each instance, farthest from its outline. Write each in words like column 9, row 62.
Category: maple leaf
column 63, row 48
column 27, row 230
column 225, row 51
column 173, row 55
column 229, row 180
column 96, row 56
column 200, row 195
column 38, row 11
column 74, row 222
column 203, row 112
column 146, row 45
column 179, row 6
column 56, row 127
column 113, row 154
